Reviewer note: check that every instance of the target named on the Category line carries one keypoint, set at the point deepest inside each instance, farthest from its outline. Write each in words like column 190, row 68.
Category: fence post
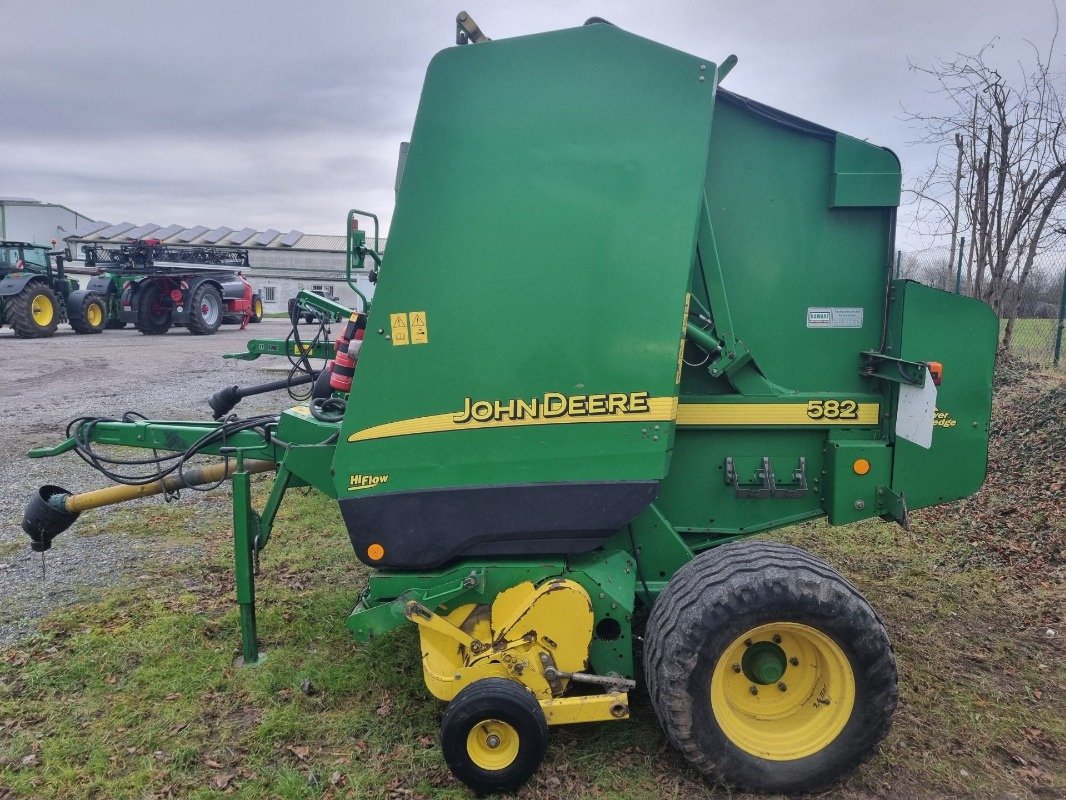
column 1062, row 314
column 899, row 254
column 958, row 271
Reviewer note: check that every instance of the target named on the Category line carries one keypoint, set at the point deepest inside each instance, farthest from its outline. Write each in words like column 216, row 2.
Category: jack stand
column 244, row 521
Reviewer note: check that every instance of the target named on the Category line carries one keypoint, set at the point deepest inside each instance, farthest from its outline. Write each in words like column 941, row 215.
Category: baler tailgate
column 929, row 325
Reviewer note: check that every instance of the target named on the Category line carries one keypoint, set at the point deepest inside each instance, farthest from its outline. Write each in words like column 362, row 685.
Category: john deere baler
column 625, row 319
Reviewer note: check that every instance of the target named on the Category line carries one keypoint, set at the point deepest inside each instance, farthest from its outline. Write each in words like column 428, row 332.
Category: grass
column 136, row 695
column 1033, row 340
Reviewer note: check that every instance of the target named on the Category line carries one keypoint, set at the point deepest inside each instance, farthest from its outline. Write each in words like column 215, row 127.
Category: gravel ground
column 47, row 382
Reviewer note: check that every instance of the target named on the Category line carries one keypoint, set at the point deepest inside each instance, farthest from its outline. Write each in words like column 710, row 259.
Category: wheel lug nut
column 794, row 661
column 753, row 690
column 777, row 639
column 736, row 668
column 782, row 687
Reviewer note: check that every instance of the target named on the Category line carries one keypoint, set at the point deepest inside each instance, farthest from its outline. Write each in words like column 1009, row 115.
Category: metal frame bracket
column 896, row 370
column 767, row 487
column 894, row 507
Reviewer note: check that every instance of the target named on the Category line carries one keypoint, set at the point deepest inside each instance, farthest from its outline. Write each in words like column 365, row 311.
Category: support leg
column 244, row 527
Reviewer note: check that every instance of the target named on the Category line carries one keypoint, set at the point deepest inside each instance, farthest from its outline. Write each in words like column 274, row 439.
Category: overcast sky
column 284, row 114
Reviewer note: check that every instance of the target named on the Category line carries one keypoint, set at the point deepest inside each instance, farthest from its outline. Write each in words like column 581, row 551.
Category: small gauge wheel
column 494, row 735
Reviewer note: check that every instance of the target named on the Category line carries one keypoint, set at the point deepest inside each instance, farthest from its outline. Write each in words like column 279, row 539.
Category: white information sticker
column 916, row 412
column 834, row 317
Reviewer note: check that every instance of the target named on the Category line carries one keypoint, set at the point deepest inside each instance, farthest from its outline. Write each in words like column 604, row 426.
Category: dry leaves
column 1016, row 518
column 386, row 706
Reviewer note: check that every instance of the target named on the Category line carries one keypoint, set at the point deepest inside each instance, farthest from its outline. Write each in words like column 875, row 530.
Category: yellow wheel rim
column 492, row 745
column 782, row 691
column 258, row 308
column 41, row 309
column 94, row 315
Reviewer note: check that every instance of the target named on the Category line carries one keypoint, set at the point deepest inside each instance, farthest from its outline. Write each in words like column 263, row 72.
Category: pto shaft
column 197, row 476
column 52, row 509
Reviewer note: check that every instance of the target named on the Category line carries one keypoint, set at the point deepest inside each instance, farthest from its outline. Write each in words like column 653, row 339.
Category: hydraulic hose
column 223, row 401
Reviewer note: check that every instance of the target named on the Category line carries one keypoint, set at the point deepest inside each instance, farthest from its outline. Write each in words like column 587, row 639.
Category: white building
column 23, row 219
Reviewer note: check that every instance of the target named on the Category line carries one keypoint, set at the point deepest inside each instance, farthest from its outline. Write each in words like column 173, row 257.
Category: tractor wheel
column 257, row 308
column 493, row 735
column 86, row 312
column 768, row 670
column 33, row 313
column 153, row 314
column 205, row 310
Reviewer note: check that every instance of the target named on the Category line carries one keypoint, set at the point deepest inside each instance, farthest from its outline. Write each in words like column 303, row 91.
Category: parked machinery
column 154, row 286
column 35, row 297
column 634, row 339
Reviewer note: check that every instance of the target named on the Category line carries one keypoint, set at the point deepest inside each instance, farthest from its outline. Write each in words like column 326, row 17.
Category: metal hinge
column 467, row 31
column 897, row 370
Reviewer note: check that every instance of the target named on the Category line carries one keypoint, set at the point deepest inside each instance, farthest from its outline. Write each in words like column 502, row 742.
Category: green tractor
column 663, row 320
column 110, row 286
column 35, row 298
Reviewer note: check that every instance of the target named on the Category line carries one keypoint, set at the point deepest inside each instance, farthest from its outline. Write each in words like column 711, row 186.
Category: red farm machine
column 154, row 286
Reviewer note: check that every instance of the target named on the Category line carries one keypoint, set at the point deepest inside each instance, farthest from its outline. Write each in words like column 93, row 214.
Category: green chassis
column 611, row 576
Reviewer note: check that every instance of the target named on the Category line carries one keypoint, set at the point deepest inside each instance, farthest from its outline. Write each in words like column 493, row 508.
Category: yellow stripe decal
column 773, row 414
column 659, row 409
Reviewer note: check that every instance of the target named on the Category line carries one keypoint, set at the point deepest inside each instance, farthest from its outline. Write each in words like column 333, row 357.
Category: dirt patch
column 44, row 383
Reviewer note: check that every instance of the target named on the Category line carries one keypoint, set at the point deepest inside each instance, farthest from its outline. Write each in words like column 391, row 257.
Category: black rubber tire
column 728, row 591
column 149, row 322
column 17, row 307
column 494, row 699
column 257, row 308
column 321, row 388
column 198, row 324
column 79, row 312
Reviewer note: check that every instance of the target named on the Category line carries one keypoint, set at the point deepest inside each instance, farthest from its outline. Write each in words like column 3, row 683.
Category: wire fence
column 1037, row 335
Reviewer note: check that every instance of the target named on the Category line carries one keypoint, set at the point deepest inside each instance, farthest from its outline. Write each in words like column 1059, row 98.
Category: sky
column 263, row 114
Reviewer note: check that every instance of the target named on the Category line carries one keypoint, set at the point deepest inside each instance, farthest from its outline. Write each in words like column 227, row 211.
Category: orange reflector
column 861, row 466
column 375, row 552
column 936, row 369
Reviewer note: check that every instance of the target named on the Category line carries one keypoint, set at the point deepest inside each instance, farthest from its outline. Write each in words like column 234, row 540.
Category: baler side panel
column 802, row 219
column 697, row 497
column 535, row 167
column 787, row 246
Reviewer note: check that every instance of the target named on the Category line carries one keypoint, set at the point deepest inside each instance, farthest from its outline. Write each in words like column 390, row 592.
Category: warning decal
column 409, row 327
column 399, row 329
column 419, row 329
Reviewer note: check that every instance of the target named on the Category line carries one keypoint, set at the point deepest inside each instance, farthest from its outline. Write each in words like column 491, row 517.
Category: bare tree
column 1000, row 173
